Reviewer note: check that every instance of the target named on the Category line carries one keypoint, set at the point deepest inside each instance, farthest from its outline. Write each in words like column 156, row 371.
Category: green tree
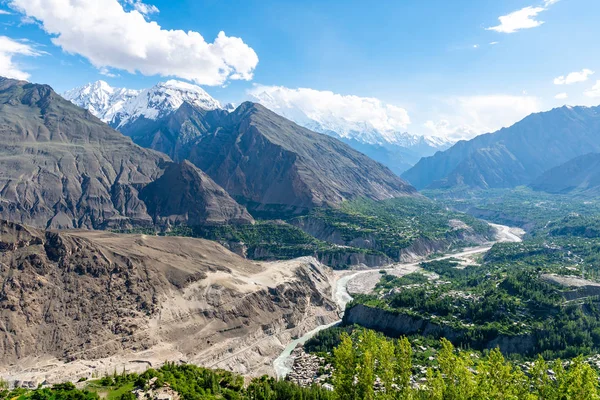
column 497, row 379
column 345, row 369
column 457, row 373
column 386, row 365
column 403, row 369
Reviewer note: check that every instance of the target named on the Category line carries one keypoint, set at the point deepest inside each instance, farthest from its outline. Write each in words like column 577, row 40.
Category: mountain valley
column 213, row 235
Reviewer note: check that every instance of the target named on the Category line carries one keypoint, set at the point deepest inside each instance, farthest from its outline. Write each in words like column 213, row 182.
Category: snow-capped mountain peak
column 100, row 98
column 117, row 106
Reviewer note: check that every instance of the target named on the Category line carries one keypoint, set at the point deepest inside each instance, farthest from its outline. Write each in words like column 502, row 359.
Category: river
column 284, row 363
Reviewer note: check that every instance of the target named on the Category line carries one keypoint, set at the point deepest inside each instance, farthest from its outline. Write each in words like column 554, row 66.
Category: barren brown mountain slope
column 61, row 167
column 99, row 301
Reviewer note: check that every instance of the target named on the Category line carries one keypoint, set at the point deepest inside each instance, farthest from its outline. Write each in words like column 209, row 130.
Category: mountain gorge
column 61, row 167
column 512, row 156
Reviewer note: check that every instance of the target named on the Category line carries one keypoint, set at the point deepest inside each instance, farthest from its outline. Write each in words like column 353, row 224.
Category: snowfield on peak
column 117, row 106
column 100, row 99
column 162, row 99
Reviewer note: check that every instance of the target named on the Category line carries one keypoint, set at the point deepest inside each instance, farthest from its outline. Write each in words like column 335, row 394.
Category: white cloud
column 108, row 36
column 561, row 96
column 4, row 12
column 325, row 110
column 517, row 20
column 594, row 91
column 469, row 116
column 574, row 77
column 493, row 43
column 10, row 48
column 106, row 72
column 525, row 18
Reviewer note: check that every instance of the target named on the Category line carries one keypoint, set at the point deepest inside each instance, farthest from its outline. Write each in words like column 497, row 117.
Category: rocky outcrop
column 61, row 167
column 342, row 259
column 186, row 195
column 398, row 324
column 91, row 295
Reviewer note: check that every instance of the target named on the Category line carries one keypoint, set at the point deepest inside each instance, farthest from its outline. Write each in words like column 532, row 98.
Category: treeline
column 190, row 381
column 369, row 366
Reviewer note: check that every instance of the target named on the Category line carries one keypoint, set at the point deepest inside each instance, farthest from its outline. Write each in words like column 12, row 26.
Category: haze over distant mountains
column 512, row 156
column 580, row 175
column 379, row 138
column 118, row 107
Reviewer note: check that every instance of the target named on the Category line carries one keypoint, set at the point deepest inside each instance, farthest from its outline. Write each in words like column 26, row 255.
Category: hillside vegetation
column 360, row 231
column 542, row 291
column 366, row 366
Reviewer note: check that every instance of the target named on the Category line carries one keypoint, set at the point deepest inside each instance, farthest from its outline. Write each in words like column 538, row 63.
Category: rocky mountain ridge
column 512, row 156
column 266, row 161
column 61, row 167
column 396, row 150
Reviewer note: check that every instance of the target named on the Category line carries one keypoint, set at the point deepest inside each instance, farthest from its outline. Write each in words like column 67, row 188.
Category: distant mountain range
column 397, row 150
column 119, row 107
column 262, row 159
column 512, row 156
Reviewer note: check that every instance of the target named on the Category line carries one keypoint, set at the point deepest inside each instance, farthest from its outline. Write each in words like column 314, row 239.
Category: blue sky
column 432, row 58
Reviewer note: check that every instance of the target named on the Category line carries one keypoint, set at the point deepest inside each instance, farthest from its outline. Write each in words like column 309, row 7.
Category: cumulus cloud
column 111, row 37
column 10, row 48
column 574, row 77
column 561, row 96
column 517, row 20
column 594, row 91
column 469, row 116
column 525, row 18
column 325, row 110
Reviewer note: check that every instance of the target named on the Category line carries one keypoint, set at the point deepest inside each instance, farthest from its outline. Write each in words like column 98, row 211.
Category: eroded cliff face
column 397, row 324
column 101, row 301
